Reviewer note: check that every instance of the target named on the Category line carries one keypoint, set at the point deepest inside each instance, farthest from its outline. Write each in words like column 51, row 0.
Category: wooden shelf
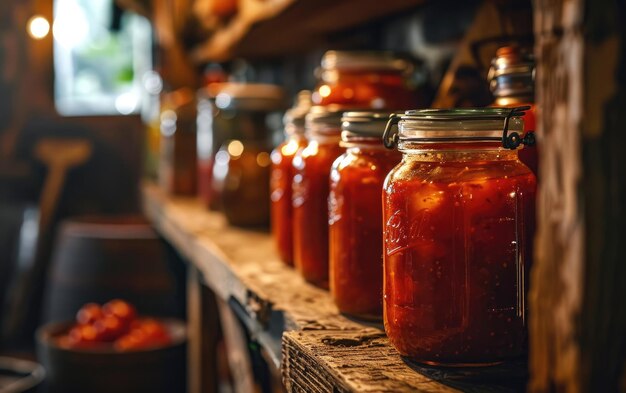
column 316, row 348
column 279, row 27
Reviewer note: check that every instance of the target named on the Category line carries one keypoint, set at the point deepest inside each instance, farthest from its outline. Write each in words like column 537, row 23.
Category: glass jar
column 355, row 215
column 310, row 190
column 512, row 82
column 362, row 79
column 241, row 170
column 177, row 163
column 151, row 116
column 282, row 176
column 459, row 214
column 211, row 132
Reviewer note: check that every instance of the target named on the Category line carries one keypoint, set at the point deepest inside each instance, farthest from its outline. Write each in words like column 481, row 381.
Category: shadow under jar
column 459, row 215
column 241, row 171
column 310, row 190
column 355, row 215
column 282, row 176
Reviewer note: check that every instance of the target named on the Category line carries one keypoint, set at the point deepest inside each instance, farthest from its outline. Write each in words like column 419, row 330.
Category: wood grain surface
column 316, row 348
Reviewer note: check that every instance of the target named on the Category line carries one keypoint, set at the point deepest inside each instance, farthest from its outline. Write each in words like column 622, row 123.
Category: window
column 98, row 68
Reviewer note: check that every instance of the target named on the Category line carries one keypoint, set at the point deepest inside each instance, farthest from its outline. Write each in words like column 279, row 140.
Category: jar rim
column 458, row 125
column 456, row 114
column 365, row 123
column 512, row 72
column 245, row 96
column 364, row 60
column 324, row 119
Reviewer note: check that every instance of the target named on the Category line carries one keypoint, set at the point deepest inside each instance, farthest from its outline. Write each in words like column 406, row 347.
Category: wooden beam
column 578, row 316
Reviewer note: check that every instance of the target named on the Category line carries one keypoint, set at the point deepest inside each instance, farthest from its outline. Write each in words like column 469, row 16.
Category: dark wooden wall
column 578, row 294
column 108, row 182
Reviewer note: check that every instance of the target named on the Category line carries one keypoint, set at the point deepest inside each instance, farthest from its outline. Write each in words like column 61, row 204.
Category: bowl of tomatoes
column 111, row 347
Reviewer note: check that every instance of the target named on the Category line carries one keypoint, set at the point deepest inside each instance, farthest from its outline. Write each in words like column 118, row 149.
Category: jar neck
column 355, row 142
column 250, row 126
column 335, row 75
column 514, row 100
column 294, row 130
column 456, row 152
column 324, row 134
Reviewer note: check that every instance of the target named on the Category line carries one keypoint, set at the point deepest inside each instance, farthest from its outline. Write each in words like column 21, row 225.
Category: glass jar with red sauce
column 459, row 214
column 240, row 182
column 310, row 190
column 365, row 79
column 177, row 161
column 282, row 176
column 512, row 82
column 355, row 215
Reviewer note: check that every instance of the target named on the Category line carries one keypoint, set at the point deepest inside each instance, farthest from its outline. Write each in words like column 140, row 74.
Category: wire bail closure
column 390, row 139
column 510, row 140
column 513, row 140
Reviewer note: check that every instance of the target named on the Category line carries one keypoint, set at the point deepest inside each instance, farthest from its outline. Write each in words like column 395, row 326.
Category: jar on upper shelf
column 365, row 79
column 241, row 168
column 282, row 176
column 355, row 215
column 459, row 216
column 512, row 82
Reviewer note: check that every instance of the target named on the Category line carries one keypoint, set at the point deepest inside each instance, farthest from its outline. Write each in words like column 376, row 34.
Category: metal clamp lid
column 510, row 139
column 365, row 123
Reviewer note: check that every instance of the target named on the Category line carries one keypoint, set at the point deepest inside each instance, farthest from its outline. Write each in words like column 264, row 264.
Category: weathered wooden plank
column 578, row 317
column 322, row 351
column 348, row 361
column 365, row 361
column 241, row 264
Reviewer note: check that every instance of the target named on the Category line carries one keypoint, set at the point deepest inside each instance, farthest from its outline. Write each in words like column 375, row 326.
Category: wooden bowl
column 154, row 370
column 17, row 375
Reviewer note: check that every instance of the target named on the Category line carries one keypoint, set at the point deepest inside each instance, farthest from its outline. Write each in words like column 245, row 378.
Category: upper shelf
column 266, row 28
column 285, row 26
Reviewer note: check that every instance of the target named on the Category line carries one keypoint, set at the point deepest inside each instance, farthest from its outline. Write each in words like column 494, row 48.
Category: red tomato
column 146, row 333
column 134, row 340
column 121, row 309
column 89, row 314
column 110, row 327
column 82, row 336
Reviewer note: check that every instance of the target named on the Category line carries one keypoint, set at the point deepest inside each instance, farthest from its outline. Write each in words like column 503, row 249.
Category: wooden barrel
column 99, row 259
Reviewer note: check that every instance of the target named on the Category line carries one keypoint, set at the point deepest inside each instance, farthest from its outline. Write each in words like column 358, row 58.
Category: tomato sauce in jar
column 355, row 215
column 240, row 182
column 365, row 79
column 282, row 177
column 512, row 83
column 459, row 214
column 310, row 190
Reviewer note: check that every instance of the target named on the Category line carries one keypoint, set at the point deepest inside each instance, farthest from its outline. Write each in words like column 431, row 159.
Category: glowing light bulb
column 324, row 91
column 38, row 27
column 235, row 148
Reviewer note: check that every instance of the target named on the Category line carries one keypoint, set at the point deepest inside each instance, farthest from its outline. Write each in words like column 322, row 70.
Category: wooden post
column 203, row 335
column 578, row 293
